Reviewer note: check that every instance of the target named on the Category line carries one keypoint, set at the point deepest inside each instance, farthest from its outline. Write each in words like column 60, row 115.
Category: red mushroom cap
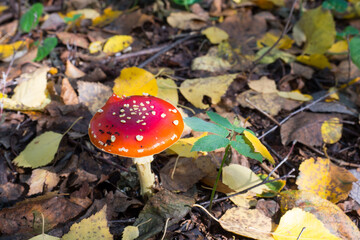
column 135, row 126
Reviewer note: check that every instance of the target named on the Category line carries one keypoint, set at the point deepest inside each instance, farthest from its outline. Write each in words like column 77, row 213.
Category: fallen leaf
column 250, row 223
column 295, row 95
column 10, row 192
column 331, row 130
column 167, row 90
column 72, row 71
column 186, row 20
column 340, row 47
column 215, row 35
column 130, row 233
column 95, row 47
column 273, row 55
column 117, row 44
column 161, row 206
column 296, row 222
column 16, row 49
column 333, row 218
column 239, row 178
column 314, row 60
column 32, row 91
column 68, row 94
column 194, row 90
column 108, row 16
column 318, row 28
column 135, row 81
column 212, row 61
column 355, row 191
column 304, row 127
column 87, row 13
column 93, row 94
column 78, row 40
column 270, row 38
column 93, row 228
column 184, row 145
column 42, row 179
column 44, row 237
column 185, row 176
column 263, row 85
column 258, row 146
column 325, row 179
column 40, row 151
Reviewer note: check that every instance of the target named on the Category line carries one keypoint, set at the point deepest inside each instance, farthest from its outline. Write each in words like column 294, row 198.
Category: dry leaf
column 41, row 178
column 331, row 130
column 263, row 85
column 186, row 20
column 117, row 44
column 215, row 35
column 325, row 179
column 68, row 94
column 270, row 38
column 194, row 90
column 78, row 40
column 72, row 71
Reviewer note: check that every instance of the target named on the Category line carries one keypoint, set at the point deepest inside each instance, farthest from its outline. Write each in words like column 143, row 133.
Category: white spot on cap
column 135, row 106
column 176, row 122
column 123, row 149
column 133, row 113
column 152, row 107
column 122, row 115
column 139, row 121
column 123, row 121
column 153, row 112
column 147, row 114
column 173, row 137
column 128, row 117
column 173, row 110
column 101, row 143
column 122, row 110
column 143, row 124
column 114, row 113
column 134, row 101
column 126, row 105
column 156, row 145
column 112, row 138
column 145, row 94
column 147, row 102
column 139, row 138
column 94, row 136
column 143, row 117
column 142, row 104
column 163, row 115
column 99, row 124
column 140, row 150
column 100, row 110
column 144, row 109
column 92, row 132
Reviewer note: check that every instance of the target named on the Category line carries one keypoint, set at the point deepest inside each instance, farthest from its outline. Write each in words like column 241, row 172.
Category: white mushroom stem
column 147, row 178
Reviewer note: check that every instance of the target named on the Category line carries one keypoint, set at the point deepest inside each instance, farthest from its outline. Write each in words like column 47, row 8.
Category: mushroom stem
column 147, row 178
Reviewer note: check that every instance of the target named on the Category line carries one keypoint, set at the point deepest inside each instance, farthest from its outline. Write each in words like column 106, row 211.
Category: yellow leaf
column 40, row 151
column 44, row 237
column 215, row 35
column 331, row 130
column 317, row 27
column 269, row 39
column 93, row 228
column 258, row 146
column 238, row 178
column 210, row 63
column 263, row 85
column 117, row 43
column 106, row 18
column 168, row 90
column 53, row 71
column 32, row 91
column 250, row 223
column 87, row 13
column 135, row 81
column 297, row 221
column 3, row 8
column 325, row 179
column 295, row 95
column 95, row 47
column 130, row 233
column 183, row 146
column 194, row 90
column 334, row 96
column 340, row 47
column 8, row 50
column 315, row 60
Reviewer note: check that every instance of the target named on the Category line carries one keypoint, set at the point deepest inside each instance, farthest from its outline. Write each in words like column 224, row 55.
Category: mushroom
column 136, row 127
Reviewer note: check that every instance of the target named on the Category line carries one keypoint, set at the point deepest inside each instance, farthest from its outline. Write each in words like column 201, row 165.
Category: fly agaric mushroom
column 136, row 127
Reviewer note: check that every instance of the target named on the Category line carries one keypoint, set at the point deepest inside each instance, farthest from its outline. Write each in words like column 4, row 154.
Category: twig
column 262, row 111
column 165, row 49
column 139, row 53
column 349, row 58
column 286, row 29
column 165, row 228
column 4, row 77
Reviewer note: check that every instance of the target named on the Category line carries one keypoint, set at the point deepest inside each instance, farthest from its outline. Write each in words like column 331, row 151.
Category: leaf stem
column 226, row 154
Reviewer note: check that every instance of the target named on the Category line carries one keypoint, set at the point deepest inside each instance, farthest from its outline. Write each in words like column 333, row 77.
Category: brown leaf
column 20, row 218
column 186, row 174
column 10, row 192
column 68, row 93
column 41, row 178
column 72, row 71
column 304, row 127
column 73, row 39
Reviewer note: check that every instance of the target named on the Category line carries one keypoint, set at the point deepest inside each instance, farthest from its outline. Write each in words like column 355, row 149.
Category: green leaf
column 30, row 19
column 219, row 120
column 238, row 129
column 185, row 2
column 72, row 19
column 200, row 125
column 210, row 143
column 40, row 151
column 355, row 51
column 245, row 148
column 48, row 45
column 337, row 5
column 349, row 30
